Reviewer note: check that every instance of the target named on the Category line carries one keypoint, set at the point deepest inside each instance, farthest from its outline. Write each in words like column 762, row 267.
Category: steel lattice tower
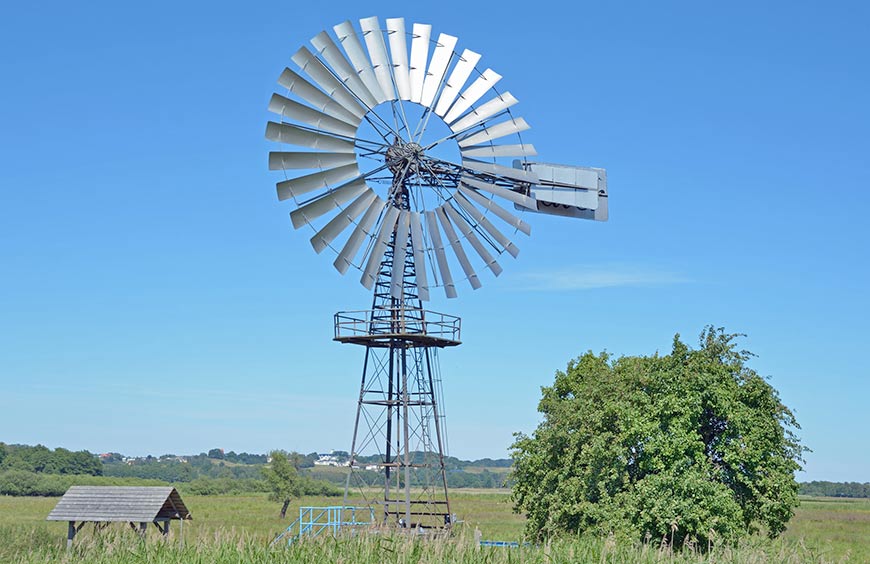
column 398, row 445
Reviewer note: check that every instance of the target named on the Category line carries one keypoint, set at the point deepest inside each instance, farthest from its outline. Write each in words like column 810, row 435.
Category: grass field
column 238, row 529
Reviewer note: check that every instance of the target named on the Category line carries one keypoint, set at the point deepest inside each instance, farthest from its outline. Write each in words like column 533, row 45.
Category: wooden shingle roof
column 119, row 503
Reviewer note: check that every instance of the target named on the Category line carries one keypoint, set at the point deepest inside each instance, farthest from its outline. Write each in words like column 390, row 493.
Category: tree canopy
column 690, row 445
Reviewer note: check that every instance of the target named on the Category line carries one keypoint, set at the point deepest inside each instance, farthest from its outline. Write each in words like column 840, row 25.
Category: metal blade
column 340, row 222
column 521, row 150
column 295, row 187
column 323, row 77
column 453, row 239
column 497, row 210
column 293, row 135
column 461, row 72
column 294, row 110
column 311, row 94
column 289, row 160
column 378, row 54
column 399, row 54
column 332, row 199
column 352, row 245
column 496, row 131
column 500, row 191
column 437, row 68
column 471, row 237
column 440, row 255
column 349, row 40
column 327, row 49
column 419, row 57
column 400, row 253
column 500, row 170
column 472, row 94
column 481, row 220
column 484, row 111
column 370, row 274
column 418, row 244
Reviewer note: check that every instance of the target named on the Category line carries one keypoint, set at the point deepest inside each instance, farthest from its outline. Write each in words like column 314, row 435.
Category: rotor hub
column 403, row 158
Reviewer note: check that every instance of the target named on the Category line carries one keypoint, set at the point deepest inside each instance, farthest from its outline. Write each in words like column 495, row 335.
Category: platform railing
column 397, row 321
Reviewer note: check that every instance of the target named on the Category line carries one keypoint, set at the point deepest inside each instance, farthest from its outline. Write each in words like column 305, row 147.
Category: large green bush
column 690, row 445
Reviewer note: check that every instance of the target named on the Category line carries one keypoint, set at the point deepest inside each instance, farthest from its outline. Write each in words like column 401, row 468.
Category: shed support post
column 70, row 534
column 143, row 528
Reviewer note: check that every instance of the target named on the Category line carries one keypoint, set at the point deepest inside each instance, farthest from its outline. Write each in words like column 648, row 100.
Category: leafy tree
column 216, row 453
column 693, row 444
column 283, row 479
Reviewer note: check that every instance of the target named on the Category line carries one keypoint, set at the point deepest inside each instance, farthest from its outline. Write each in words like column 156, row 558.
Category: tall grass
column 117, row 546
column 238, row 529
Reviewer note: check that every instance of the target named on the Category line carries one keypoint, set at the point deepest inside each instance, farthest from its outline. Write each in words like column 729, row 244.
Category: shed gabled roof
column 119, row 503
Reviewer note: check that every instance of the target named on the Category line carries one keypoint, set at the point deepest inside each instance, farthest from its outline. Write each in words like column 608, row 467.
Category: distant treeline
column 43, row 460
column 23, row 482
column 835, row 489
column 171, row 468
column 40, row 471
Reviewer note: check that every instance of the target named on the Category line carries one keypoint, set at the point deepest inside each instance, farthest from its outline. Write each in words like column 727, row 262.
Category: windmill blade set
column 372, row 115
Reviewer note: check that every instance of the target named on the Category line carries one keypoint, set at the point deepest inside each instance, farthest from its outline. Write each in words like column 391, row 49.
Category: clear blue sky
column 154, row 297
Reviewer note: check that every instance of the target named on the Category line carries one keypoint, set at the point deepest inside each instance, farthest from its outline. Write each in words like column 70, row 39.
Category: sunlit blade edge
column 295, row 187
column 399, row 56
column 456, row 80
column 286, row 107
column 352, row 245
column 369, row 275
column 293, row 135
column 440, row 255
column 456, row 244
column 419, row 58
column 472, row 94
column 329, row 200
column 437, row 68
column 378, row 54
column 493, row 132
column 323, row 77
column 483, row 151
column 481, row 219
column 497, row 210
column 327, row 49
column 472, row 238
column 295, row 83
column 418, row 245
column 290, row 160
column 341, row 221
column 484, row 111
column 349, row 40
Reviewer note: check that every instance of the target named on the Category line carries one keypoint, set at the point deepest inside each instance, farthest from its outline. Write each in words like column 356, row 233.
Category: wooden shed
column 107, row 504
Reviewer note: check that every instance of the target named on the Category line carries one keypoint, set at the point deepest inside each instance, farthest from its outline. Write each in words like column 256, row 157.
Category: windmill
column 410, row 165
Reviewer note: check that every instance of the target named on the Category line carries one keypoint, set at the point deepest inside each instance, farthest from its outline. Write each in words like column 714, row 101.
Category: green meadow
column 238, row 529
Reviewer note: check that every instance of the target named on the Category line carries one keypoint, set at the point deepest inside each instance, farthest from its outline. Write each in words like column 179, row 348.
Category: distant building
column 334, row 458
